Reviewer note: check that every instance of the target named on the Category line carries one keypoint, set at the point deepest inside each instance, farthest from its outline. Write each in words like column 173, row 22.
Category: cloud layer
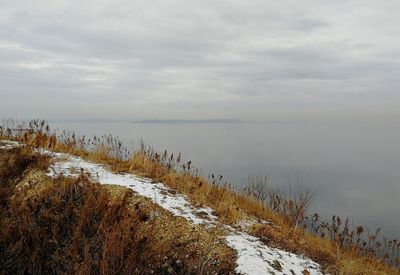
column 198, row 59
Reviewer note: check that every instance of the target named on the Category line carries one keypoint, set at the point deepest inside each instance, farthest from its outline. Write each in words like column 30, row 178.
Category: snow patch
column 247, row 223
column 9, row 144
column 256, row 258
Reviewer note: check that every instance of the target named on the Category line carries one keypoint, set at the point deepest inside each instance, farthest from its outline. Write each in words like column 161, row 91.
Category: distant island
column 190, row 121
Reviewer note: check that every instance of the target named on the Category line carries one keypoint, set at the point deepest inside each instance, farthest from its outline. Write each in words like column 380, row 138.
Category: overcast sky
column 249, row 59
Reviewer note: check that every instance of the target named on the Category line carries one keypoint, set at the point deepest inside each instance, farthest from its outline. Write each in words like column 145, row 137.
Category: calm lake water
column 353, row 168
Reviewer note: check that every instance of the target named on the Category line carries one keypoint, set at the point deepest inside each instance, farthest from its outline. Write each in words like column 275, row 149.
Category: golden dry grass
column 75, row 226
column 231, row 207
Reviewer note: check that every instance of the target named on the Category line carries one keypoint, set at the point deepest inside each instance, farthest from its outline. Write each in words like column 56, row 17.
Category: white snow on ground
column 247, row 223
column 9, row 144
column 254, row 257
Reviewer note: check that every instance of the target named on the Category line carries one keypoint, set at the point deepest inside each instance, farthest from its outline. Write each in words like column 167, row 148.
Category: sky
column 183, row 59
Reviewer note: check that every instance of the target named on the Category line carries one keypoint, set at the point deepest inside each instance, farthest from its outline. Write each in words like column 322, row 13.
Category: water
column 353, row 168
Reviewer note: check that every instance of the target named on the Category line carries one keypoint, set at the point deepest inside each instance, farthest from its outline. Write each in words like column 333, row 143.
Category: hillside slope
column 65, row 226
column 157, row 210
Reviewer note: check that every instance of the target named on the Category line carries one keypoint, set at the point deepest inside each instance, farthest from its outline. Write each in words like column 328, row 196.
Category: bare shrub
column 358, row 239
column 292, row 204
column 258, row 186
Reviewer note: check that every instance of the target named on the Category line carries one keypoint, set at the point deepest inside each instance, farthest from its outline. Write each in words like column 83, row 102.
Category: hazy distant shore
column 189, row 121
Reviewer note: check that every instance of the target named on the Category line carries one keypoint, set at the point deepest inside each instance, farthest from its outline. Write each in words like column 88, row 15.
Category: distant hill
column 190, row 121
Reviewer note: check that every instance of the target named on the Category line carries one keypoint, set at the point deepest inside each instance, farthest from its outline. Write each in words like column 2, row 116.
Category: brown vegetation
column 75, row 226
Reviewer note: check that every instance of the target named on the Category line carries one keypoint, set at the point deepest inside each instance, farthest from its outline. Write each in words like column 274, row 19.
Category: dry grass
column 229, row 205
column 75, row 226
column 67, row 227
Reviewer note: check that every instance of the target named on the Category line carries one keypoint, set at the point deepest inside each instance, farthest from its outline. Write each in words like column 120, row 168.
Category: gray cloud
column 176, row 58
